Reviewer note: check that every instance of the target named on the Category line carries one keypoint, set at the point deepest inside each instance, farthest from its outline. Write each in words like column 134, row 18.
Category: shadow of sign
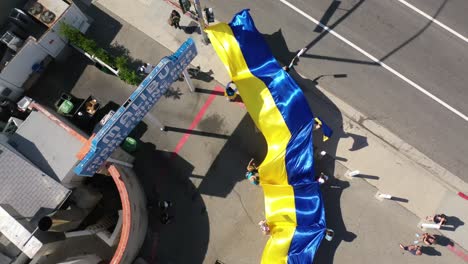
column 399, row 199
column 366, row 176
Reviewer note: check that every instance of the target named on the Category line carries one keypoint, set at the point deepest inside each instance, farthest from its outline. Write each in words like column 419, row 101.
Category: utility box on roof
column 24, row 59
column 61, row 12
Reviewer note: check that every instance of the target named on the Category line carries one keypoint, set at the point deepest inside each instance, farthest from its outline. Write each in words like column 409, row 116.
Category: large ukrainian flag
column 293, row 202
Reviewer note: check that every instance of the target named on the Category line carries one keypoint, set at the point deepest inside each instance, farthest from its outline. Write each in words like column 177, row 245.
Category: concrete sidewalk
column 359, row 143
column 150, row 16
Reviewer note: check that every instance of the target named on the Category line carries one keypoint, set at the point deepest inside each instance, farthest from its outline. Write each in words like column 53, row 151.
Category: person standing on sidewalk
column 230, row 92
column 164, row 205
column 317, row 125
column 166, row 218
column 252, row 173
column 174, row 19
column 329, row 234
column 322, row 178
column 252, row 176
column 264, row 227
column 252, row 166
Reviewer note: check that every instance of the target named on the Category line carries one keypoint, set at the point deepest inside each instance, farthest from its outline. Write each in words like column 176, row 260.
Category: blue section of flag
column 293, row 106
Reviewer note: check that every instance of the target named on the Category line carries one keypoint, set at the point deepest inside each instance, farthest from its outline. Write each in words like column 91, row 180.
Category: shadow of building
column 165, row 177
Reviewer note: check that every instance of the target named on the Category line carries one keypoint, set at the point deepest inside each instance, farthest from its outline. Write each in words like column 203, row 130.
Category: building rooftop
column 31, row 192
column 47, row 145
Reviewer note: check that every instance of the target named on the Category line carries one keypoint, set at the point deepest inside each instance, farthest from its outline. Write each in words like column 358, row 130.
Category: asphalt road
column 409, row 43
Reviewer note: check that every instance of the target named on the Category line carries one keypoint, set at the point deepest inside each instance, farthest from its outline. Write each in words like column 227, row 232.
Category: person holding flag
column 230, row 92
column 291, row 64
column 326, row 130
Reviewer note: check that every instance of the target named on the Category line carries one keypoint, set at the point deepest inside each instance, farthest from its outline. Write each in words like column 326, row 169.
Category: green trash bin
column 129, row 144
column 66, row 107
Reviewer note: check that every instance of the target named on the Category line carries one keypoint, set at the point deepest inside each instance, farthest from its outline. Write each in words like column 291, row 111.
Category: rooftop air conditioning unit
column 47, row 17
column 12, row 125
column 36, row 9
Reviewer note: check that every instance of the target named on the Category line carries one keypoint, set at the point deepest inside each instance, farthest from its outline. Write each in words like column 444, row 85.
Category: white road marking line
column 415, row 9
column 390, row 69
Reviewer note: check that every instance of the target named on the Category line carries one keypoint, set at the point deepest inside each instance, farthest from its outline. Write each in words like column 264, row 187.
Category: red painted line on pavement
column 179, row 146
column 458, row 252
column 195, row 121
column 462, row 195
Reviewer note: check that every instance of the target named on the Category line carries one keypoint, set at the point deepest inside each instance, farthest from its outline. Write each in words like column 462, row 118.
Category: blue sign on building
column 135, row 108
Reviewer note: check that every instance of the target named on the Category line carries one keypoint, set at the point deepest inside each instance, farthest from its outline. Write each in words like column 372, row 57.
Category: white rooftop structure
column 18, row 234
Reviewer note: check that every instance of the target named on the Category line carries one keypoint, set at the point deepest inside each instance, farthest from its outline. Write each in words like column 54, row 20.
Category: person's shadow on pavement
column 197, row 74
column 359, row 141
column 191, row 28
column 443, row 240
column 430, row 251
column 332, row 191
column 452, row 224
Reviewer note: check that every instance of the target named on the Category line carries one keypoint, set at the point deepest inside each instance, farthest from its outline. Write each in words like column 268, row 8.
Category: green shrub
column 121, row 62
column 77, row 38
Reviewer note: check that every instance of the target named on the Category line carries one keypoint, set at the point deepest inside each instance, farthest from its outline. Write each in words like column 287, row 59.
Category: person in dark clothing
column 174, row 19
column 164, row 205
column 287, row 68
column 166, row 218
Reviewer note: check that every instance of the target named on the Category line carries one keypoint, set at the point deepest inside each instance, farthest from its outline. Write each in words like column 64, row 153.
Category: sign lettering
column 135, row 108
